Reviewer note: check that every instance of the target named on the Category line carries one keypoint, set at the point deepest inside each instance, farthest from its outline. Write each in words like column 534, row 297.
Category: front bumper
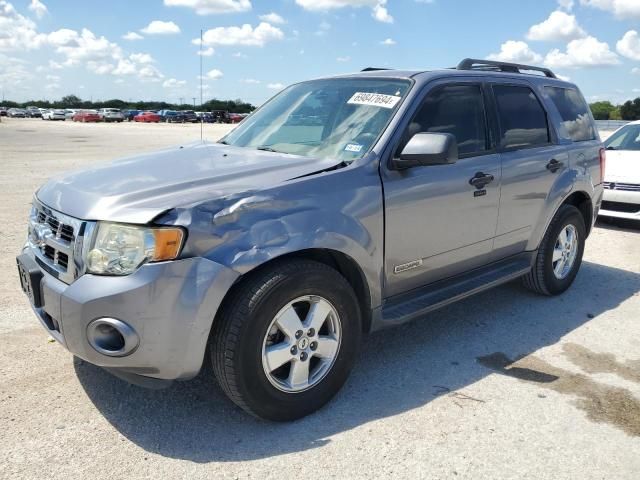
column 621, row 204
column 170, row 305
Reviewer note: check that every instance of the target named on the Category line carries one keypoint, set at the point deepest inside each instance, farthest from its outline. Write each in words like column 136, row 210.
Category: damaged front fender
column 339, row 210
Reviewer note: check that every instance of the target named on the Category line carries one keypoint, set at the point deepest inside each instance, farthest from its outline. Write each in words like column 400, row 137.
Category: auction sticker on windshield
column 374, row 99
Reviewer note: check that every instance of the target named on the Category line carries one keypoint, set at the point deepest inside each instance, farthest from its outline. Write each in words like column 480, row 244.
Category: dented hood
column 138, row 189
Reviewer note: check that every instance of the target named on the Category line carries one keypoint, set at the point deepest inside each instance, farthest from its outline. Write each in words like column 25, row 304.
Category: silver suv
column 111, row 115
column 342, row 206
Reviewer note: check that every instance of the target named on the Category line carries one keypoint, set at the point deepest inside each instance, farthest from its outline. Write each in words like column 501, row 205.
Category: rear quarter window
column 574, row 112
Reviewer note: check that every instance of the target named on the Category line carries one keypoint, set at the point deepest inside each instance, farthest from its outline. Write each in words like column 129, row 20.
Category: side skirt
column 418, row 302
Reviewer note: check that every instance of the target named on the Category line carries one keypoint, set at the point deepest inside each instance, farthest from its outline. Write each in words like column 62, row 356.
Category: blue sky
column 147, row 49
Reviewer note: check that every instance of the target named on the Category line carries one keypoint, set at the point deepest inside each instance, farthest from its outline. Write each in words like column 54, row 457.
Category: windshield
column 336, row 118
column 627, row 138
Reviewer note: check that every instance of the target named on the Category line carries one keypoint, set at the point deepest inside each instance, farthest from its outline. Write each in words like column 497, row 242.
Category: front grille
column 620, row 207
column 626, row 187
column 54, row 239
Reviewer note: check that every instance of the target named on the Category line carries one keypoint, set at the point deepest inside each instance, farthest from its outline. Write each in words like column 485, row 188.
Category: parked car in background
column 16, row 113
column 85, row 116
column 129, row 114
column 178, row 116
column 147, row 117
column 622, row 178
column 207, row 117
column 169, row 116
column 235, row 117
column 3, row 111
column 271, row 252
column 188, row 116
column 220, row 116
column 69, row 113
column 111, row 115
column 33, row 112
column 54, row 114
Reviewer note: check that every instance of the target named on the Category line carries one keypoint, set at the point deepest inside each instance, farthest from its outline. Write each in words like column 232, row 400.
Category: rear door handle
column 480, row 180
column 553, row 166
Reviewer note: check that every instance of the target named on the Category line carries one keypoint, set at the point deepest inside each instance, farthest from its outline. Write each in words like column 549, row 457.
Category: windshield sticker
column 353, row 147
column 374, row 100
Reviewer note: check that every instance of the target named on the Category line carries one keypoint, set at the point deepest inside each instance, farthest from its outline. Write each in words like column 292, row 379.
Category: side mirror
column 428, row 149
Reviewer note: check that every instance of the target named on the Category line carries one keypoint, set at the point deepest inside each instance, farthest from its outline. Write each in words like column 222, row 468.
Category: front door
column 437, row 224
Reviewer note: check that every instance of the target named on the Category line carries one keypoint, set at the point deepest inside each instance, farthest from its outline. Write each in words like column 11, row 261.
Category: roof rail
column 374, row 69
column 493, row 66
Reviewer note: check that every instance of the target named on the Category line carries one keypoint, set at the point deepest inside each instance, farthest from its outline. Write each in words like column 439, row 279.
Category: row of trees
column 629, row 110
column 72, row 101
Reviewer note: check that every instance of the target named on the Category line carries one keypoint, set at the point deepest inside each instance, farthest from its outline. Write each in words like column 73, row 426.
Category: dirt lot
column 504, row 385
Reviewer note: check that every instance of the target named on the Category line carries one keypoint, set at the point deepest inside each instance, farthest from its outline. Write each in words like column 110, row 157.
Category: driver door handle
column 554, row 165
column 480, row 180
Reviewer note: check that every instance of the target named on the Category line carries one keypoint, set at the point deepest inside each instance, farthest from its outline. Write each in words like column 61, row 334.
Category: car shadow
column 398, row 370
column 619, row 224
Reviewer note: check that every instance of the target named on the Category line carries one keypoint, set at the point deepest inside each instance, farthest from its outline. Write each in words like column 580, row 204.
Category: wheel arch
column 339, row 261
column 577, row 198
column 582, row 201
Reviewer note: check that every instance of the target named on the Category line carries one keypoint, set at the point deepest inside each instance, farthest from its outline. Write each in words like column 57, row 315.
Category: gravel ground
column 503, row 385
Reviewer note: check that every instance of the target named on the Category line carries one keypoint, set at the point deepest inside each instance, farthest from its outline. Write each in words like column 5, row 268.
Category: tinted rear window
column 523, row 121
column 574, row 112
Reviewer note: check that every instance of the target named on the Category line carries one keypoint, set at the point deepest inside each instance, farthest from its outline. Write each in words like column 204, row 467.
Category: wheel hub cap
column 301, row 344
column 565, row 252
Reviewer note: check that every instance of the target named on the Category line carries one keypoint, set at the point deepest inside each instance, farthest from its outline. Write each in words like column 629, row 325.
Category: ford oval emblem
column 39, row 234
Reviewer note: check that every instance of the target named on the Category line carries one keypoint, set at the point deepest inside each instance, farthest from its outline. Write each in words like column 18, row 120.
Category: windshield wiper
column 223, row 142
column 611, row 148
column 265, row 148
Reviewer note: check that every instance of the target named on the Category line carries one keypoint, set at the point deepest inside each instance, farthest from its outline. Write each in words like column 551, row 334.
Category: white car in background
column 622, row 176
column 54, row 114
column 69, row 113
column 111, row 115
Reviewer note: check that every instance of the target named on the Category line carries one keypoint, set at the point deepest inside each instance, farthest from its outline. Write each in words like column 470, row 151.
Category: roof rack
column 493, row 66
column 373, row 69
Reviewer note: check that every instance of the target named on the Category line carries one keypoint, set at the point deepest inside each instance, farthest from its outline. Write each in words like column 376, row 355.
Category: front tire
column 560, row 253
column 285, row 341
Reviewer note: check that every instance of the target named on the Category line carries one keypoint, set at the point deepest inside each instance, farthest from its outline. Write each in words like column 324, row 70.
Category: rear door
column 531, row 160
column 436, row 224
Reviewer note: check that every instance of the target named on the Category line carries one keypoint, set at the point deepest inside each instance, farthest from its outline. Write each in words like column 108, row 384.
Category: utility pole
column 181, row 100
column 194, row 102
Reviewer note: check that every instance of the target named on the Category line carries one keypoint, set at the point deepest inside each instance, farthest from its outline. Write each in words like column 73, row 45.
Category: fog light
column 112, row 337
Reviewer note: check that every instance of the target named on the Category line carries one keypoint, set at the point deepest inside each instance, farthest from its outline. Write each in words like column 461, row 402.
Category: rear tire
column 560, row 254
column 250, row 325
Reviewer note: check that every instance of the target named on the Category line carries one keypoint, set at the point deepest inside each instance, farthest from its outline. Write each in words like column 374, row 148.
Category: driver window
column 454, row 109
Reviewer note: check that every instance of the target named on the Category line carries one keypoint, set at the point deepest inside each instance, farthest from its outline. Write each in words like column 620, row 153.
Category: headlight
column 120, row 249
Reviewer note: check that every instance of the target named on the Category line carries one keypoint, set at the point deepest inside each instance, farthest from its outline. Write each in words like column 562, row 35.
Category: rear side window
column 454, row 109
column 574, row 112
column 523, row 121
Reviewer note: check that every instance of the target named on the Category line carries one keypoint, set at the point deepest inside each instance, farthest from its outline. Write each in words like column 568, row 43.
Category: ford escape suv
column 342, row 206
